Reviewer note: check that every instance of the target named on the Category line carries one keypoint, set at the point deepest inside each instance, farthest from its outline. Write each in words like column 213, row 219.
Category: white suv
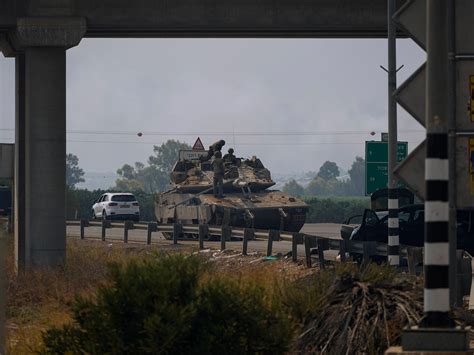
column 116, row 206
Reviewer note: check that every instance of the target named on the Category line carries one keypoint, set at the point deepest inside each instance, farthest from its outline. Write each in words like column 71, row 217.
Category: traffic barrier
column 249, row 234
column 364, row 251
column 322, row 246
column 309, row 243
column 297, row 238
column 151, row 227
column 126, row 227
column 342, row 250
column 226, row 234
column 272, row 235
column 203, row 234
column 177, row 232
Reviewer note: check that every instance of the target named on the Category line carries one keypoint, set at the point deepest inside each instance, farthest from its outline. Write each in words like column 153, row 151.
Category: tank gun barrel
column 195, row 195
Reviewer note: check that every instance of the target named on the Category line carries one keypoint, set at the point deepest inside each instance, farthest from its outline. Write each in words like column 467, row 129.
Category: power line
column 225, row 133
column 236, row 144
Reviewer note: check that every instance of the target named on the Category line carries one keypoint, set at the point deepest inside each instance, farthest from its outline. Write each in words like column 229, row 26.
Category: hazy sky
column 332, row 90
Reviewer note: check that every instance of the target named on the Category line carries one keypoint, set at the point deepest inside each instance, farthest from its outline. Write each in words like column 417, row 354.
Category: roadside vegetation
column 144, row 300
column 165, row 305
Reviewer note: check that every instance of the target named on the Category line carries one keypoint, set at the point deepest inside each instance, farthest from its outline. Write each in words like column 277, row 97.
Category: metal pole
column 453, row 291
column 437, row 255
column 393, row 234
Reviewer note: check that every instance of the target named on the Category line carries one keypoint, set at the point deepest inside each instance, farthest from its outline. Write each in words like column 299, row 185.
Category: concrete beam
column 215, row 18
column 6, row 47
column 8, row 11
column 64, row 32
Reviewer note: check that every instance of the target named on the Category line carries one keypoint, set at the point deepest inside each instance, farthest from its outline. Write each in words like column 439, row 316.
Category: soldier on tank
column 218, row 180
column 230, row 157
column 215, row 147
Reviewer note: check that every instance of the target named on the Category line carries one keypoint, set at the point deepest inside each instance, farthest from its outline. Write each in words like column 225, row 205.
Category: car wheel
column 136, row 219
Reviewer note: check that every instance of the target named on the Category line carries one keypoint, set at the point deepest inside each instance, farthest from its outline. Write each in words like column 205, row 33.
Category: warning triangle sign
column 198, row 145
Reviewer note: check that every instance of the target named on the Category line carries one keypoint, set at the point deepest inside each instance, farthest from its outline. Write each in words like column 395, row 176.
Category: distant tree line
column 334, row 209
column 155, row 175
column 326, row 182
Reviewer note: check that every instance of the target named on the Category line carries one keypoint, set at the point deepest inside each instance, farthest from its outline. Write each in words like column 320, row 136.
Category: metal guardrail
column 203, row 231
column 367, row 250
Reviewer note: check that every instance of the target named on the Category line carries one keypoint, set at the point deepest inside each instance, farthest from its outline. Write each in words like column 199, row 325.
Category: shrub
column 350, row 310
column 166, row 306
column 234, row 319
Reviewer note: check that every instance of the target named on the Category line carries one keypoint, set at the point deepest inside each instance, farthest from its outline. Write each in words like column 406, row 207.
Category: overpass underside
column 38, row 33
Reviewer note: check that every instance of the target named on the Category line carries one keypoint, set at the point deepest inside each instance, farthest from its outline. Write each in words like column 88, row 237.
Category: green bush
column 166, row 306
column 235, row 319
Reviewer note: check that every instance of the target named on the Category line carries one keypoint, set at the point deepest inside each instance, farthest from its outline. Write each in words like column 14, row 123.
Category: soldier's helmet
column 231, row 151
column 218, row 154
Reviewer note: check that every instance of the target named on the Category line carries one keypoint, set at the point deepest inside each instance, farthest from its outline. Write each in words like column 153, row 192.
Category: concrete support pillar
column 45, row 152
column 40, row 46
column 19, row 185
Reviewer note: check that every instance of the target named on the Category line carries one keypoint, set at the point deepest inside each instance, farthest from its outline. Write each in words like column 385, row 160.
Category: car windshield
column 123, row 198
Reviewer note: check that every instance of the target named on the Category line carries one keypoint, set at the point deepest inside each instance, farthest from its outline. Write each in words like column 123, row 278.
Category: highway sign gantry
column 376, row 164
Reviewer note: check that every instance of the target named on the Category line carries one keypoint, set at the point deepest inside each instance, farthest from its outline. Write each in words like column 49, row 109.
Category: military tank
column 247, row 199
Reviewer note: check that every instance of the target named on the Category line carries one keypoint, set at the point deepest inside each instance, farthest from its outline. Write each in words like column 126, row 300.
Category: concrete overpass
column 210, row 18
column 38, row 33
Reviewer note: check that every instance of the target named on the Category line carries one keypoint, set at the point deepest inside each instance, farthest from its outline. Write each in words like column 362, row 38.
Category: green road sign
column 376, row 164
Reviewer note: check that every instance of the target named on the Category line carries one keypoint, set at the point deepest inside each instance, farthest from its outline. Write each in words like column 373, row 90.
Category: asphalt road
column 327, row 230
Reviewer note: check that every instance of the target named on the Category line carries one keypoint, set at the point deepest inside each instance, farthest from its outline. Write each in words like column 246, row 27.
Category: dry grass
column 39, row 299
column 361, row 311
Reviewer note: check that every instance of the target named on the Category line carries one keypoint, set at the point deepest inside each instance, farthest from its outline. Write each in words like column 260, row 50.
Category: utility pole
column 437, row 221
column 393, row 249
column 455, row 294
column 436, row 95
